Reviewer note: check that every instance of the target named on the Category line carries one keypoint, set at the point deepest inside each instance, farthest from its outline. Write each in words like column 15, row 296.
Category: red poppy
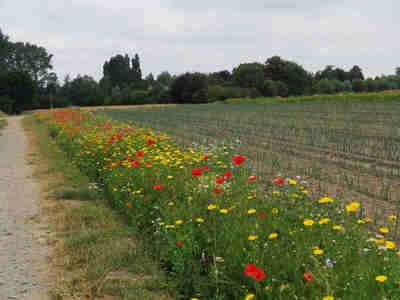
column 279, row 181
column 292, row 203
column 139, row 154
column 150, row 142
column 148, row 164
column 251, row 178
column 252, row 271
column 206, row 169
column 119, row 136
column 261, row 216
column 180, row 243
column 308, row 277
column 217, row 191
column 158, row 187
column 205, row 157
column 197, row 172
column 135, row 163
column 238, row 160
column 220, row 180
column 228, row 175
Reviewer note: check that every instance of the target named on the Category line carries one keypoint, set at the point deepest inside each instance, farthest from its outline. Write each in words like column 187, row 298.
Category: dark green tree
column 249, row 75
column 164, row 79
column 356, row 73
column 296, row 78
column 18, row 89
column 186, row 85
column 136, row 72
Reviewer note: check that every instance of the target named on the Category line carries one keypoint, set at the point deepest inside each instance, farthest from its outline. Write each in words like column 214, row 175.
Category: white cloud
column 207, row 35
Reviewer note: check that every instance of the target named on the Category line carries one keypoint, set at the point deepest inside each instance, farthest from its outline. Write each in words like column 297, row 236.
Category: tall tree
column 356, row 73
column 296, row 78
column 31, row 59
column 185, row 86
column 19, row 88
column 118, row 70
column 249, row 75
column 136, row 72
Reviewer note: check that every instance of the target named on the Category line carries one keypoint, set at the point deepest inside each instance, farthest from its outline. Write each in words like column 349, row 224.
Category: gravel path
column 23, row 264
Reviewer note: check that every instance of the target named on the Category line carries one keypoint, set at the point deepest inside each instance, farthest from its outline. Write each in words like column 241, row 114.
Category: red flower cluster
column 158, row 187
column 220, row 180
column 197, row 172
column 238, row 160
column 228, row 175
column 251, row 178
column 252, row 271
column 308, row 277
column 279, row 181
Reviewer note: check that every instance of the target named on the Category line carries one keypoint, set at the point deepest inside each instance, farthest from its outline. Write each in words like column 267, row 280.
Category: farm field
column 350, row 150
column 215, row 231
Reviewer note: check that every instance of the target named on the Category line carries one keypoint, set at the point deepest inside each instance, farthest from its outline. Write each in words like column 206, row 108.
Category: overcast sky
column 208, row 35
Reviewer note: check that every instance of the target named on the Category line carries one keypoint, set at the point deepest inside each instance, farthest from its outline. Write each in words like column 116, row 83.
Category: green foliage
column 249, row 75
column 17, row 91
column 297, row 80
column 121, row 70
column 186, row 88
column 359, row 86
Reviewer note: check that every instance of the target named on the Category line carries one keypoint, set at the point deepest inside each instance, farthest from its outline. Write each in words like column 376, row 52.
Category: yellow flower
column 381, row 278
column 275, row 211
column 384, row 230
column 178, row 222
column 328, row 298
column 305, row 192
column 171, row 203
column 324, row 221
column 170, row 177
column 200, row 220
column 252, row 237
column 292, row 182
column 392, row 218
column 169, row 226
column 250, row 297
column 308, row 222
column 318, row 251
column 273, row 236
column 325, row 200
column 380, row 241
column 219, row 259
column 223, row 211
column 194, row 298
column 390, row 245
column 251, row 211
column 211, row 207
column 337, row 227
column 276, row 193
column 352, row 207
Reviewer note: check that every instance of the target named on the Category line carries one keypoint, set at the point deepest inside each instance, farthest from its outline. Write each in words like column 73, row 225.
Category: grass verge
column 344, row 97
column 3, row 121
column 95, row 255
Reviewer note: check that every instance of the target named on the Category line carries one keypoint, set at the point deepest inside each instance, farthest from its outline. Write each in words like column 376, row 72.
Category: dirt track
column 23, row 263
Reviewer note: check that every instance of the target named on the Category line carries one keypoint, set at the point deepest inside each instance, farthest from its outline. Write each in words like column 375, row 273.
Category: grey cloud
column 207, row 35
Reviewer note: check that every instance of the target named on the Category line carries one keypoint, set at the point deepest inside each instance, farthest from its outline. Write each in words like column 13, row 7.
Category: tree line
column 27, row 81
